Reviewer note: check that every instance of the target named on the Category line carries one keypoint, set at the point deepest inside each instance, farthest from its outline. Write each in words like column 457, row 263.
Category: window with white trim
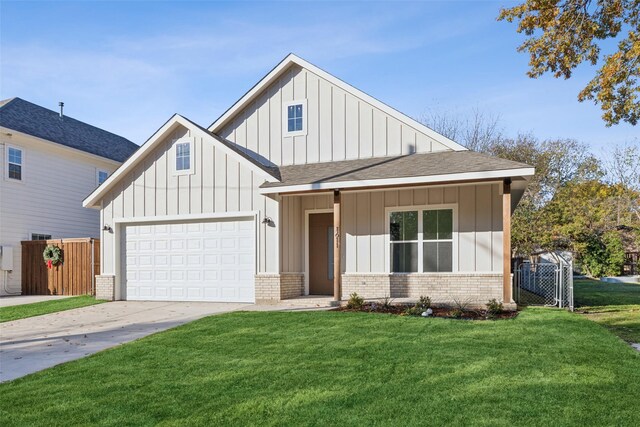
column 101, row 176
column 295, row 118
column 38, row 236
column 14, row 163
column 183, row 153
column 421, row 240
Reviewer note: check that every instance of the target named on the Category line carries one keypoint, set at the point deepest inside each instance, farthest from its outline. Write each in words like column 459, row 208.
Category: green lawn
column 545, row 367
column 616, row 306
column 45, row 307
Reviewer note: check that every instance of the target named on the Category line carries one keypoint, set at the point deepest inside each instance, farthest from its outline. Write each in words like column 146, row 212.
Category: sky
column 127, row 66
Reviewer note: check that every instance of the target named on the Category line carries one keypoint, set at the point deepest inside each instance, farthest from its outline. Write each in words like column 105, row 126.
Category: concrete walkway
column 8, row 301
column 36, row 343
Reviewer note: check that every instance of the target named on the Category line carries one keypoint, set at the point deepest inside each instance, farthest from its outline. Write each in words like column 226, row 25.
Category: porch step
column 310, row 301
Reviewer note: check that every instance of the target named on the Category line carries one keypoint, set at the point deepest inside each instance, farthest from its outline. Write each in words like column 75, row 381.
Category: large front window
column 421, row 240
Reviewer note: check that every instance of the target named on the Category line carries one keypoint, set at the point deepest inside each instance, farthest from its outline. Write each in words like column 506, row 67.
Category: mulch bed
column 446, row 312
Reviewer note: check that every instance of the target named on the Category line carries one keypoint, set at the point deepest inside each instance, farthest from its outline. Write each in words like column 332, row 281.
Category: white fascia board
column 293, row 59
column 506, row 173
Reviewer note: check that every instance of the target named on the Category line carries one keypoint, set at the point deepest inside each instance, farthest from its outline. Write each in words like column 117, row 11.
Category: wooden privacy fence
column 76, row 274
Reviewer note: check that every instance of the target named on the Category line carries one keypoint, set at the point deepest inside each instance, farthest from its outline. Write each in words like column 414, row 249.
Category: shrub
column 424, row 302
column 494, row 308
column 355, row 301
column 603, row 255
column 457, row 313
column 414, row 310
column 387, row 303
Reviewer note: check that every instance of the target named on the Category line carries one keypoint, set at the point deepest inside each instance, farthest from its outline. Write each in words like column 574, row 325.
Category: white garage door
column 194, row 261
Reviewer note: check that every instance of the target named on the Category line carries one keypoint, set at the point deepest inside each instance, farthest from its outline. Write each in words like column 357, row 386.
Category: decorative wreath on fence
column 52, row 255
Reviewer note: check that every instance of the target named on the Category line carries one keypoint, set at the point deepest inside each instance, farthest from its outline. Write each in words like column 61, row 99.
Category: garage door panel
column 206, row 261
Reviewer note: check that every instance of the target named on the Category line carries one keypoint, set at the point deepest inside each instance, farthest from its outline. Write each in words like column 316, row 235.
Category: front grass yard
column 545, row 367
column 16, row 312
column 616, row 306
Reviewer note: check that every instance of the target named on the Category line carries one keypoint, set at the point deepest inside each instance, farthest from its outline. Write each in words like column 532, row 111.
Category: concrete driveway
column 36, row 343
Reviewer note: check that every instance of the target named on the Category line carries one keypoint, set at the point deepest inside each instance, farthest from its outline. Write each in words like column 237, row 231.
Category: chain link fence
column 548, row 282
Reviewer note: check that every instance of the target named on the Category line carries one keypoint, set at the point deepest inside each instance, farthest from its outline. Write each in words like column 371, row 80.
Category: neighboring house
column 48, row 165
column 247, row 209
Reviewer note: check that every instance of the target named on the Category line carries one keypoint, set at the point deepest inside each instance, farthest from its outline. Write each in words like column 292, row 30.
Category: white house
column 48, row 165
column 307, row 185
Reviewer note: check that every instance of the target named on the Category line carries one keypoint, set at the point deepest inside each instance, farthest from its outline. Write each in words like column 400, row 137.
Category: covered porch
column 442, row 236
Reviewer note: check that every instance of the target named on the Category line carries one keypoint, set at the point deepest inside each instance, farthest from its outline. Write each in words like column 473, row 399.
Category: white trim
column 98, row 170
column 174, row 155
column 454, row 237
column 91, row 201
column 505, row 173
column 119, row 225
column 293, row 59
column 187, row 217
column 23, row 157
column 285, row 118
column 306, row 243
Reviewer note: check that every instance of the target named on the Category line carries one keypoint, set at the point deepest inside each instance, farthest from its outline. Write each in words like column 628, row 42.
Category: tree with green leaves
column 562, row 34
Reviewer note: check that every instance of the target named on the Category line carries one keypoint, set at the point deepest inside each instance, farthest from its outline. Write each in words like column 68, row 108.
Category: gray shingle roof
column 32, row 119
column 411, row 165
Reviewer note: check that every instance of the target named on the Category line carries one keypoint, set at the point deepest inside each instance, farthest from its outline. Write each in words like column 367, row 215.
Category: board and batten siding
column 340, row 126
column 479, row 212
column 219, row 184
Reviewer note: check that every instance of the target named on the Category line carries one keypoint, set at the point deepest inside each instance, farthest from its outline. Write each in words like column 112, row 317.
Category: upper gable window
column 183, row 152
column 295, row 117
column 15, row 163
column 101, row 176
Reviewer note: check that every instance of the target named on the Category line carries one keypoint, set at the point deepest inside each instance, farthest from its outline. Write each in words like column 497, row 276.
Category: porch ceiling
column 410, row 169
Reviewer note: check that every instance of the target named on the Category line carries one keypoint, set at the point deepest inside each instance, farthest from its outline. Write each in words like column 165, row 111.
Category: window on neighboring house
column 183, row 156
column 295, row 118
column 14, row 163
column 38, row 236
column 421, row 241
column 102, row 176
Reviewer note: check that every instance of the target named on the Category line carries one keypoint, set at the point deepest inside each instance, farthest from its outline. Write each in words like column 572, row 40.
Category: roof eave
column 524, row 173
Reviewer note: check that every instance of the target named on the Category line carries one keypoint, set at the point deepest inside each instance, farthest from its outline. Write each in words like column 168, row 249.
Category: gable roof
column 292, row 59
column 396, row 170
column 26, row 117
column 247, row 154
column 267, row 171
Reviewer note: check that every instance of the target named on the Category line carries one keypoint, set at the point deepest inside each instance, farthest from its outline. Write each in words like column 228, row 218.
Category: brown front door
column 321, row 254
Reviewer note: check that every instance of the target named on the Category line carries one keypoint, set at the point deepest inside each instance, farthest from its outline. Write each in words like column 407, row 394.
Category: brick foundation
column 442, row 288
column 106, row 287
column 271, row 288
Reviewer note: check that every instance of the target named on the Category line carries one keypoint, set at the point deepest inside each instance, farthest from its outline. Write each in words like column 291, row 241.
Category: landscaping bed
column 424, row 308
column 446, row 312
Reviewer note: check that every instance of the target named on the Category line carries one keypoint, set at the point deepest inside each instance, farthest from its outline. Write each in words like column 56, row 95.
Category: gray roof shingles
column 410, row 165
column 26, row 117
